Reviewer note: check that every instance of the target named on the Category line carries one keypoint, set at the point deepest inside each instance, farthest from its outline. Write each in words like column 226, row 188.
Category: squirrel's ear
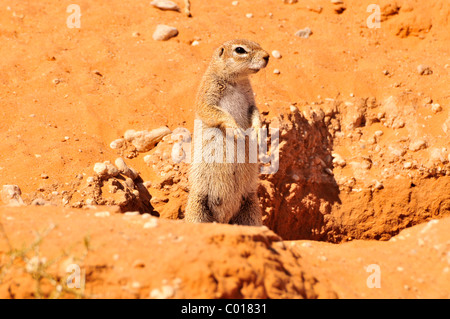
column 221, row 50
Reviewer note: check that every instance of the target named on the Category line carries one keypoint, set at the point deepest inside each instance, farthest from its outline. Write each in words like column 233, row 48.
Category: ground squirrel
column 225, row 192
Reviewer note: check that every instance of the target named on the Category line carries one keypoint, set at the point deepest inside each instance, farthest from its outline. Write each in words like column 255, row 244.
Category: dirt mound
column 212, row 261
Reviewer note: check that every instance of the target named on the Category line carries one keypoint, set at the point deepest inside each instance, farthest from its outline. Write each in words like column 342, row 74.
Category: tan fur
column 226, row 192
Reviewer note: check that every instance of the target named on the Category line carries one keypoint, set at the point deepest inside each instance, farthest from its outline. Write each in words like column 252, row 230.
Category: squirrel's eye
column 240, row 50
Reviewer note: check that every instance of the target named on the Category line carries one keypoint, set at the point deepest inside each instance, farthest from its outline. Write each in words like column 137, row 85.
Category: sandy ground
column 67, row 93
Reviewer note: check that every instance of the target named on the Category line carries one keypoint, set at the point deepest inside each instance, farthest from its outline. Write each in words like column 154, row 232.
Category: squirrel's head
column 240, row 58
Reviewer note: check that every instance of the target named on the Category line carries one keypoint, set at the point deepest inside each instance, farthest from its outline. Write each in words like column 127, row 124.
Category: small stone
column 290, row 1
column 10, row 195
column 116, row 144
column 164, row 293
column 56, row 81
column 152, row 223
column 39, row 202
column 338, row 160
column 195, row 43
column 44, row 176
column 293, row 108
column 407, row 165
column 135, row 34
column 378, row 133
column 235, row 3
column 124, row 169
column 436, row 108
column 164, row 32
column 138, row 264
column 276, row 54
column 337, row 1
column 438, row 155
column 417, row 145
column 135, row 213
column 144, row 141
column 165, row 5
column 135, row 285
column 424, row 70
column 378, row 185
column 276, row 71
column 100, row 169
column 147, row 184
column 303, row 33
column 339, row 9
column 111, row 169
column 102, row 214
column 249, row 15
column 90, row 202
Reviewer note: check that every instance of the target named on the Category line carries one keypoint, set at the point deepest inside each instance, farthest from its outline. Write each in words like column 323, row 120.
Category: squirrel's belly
column 236, row 102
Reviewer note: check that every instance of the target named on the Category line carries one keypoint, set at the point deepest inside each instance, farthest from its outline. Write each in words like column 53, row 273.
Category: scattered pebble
column 338, row 160
column 39, row 202
column 235, row 3
column 436, row 108
column 164, row 32
column 378, row 185
column 165, row 5
column 44, row 176
column 131, row 213
column 378, row 133
column 144, row 141
column 135, row 34
column 276, row 54
column 138, row 264
column 276, row 71
column 303, row 33
column 152, row 223
column 116, row 144
column 102, row 214
column 424, row 70
column 249, row 15
column 100, row 169
column 10, row 195
column 164, row 293
column 417, row 145
column 125, row 170
column 290, row 1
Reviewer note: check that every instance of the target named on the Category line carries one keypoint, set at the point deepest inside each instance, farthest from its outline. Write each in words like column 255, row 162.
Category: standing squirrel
column 223, row 191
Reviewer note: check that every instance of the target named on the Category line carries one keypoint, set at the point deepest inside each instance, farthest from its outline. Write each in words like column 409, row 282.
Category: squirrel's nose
column 266, row 58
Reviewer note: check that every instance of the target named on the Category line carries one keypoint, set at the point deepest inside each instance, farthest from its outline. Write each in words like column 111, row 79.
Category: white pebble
column 116, row 144
column 165, row 5
column 436, row 108
column 164, row 32
column 102, row 214
column 276, row 54
column 152, row 223
column 303, row 33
